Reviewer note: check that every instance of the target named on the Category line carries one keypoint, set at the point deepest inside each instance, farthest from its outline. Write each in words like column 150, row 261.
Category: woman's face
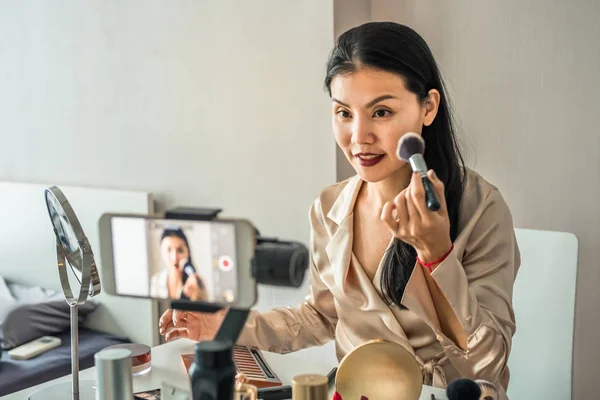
column 371, row 110
column 173, row 251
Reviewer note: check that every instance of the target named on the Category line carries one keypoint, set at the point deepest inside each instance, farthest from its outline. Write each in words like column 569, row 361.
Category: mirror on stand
column 79, row 281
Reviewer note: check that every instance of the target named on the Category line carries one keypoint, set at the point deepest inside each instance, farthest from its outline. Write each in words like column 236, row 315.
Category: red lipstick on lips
column 368, row 159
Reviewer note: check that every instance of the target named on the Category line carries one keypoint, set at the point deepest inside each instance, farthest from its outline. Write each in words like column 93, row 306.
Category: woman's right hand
column 197, row 326
column 194, row 290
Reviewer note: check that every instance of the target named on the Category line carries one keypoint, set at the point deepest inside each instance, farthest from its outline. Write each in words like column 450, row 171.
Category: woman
column 179, row 278
column 383, row 266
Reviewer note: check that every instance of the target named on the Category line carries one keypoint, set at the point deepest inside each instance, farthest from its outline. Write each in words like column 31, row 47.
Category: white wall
column 204, row 103
column 525, row 82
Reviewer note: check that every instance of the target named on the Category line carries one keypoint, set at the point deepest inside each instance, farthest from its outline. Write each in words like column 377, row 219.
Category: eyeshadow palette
column 251, row 363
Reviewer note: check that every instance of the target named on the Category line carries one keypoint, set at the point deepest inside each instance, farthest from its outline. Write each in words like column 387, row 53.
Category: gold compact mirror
column 380, row 370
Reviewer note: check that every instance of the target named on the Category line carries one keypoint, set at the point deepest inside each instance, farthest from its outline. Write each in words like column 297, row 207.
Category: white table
column 168, row 367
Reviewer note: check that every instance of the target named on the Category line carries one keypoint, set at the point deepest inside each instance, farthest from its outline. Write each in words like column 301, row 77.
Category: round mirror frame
column 90, row 280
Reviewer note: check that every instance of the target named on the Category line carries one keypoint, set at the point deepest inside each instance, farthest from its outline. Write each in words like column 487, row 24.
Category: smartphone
column 200, row 261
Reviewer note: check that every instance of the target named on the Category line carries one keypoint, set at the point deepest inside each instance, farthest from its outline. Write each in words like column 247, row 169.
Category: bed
column 28, row 258
column 17, row 375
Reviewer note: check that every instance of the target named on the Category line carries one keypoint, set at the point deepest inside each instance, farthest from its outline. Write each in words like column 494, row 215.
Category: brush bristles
column 409, row 145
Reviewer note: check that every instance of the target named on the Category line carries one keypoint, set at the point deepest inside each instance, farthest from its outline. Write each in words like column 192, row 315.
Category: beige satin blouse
column 476, row 278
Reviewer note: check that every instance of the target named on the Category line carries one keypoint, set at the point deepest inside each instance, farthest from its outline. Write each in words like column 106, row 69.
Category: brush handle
column 433, row 203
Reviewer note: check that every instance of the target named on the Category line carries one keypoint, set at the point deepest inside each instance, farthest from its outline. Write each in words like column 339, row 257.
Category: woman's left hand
column 409, row 219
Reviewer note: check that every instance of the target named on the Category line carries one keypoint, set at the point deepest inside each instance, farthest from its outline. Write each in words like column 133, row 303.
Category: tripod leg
column 232, row 326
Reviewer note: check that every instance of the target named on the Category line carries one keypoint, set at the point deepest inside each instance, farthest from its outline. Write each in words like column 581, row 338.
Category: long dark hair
column 398, row 49
column 178, row 233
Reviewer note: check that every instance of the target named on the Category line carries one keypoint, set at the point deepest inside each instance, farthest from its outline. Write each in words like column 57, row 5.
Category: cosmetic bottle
column 309, row 387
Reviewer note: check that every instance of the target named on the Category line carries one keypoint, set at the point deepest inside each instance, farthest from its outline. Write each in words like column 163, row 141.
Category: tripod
column 277, row 263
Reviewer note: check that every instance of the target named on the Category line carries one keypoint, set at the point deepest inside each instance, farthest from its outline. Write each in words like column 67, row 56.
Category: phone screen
column 175, row 259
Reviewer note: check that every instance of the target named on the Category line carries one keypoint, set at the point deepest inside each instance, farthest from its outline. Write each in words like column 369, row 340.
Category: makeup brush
column 411, row 147
column 463, row 389
column 467, row 389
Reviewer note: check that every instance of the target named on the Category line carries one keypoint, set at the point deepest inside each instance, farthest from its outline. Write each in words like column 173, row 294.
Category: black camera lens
column 279, row 263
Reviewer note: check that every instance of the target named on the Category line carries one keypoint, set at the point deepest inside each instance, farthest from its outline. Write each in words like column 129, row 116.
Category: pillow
column 27, row 313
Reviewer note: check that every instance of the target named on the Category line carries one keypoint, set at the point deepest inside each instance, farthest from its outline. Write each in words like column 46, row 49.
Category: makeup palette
column 250, row 362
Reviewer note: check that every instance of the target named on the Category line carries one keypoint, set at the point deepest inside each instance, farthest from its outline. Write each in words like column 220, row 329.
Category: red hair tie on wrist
column 431, row 264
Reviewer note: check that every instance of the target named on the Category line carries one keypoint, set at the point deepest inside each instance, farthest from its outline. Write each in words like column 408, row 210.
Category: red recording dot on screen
column 225, row 263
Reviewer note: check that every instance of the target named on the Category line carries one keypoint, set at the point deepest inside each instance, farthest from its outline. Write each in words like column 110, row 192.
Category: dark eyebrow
column 341, row 102
column 369, row 104
column 380, row 98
